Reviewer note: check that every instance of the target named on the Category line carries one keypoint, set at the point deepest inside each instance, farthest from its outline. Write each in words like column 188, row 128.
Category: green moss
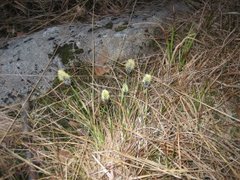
column 109, row 25
column 120, row 28
column 67, row 52
column 79, row 51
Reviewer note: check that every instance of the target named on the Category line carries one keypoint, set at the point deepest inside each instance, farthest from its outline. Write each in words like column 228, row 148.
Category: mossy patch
column 67, row 52
column 121, row 27
column 109, row 25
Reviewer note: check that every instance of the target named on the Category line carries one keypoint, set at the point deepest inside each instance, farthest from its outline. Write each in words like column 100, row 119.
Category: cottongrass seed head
column 124, row 88
column 147, row 80
column 130, row 65
column 63, row 76
column 105, row 96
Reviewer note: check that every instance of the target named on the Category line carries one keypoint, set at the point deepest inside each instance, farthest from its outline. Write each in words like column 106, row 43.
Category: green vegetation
column 68, row 52
column 174, row 115
column 178, row 53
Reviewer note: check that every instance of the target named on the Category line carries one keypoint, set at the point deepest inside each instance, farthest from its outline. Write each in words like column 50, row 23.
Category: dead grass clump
column 24, row 16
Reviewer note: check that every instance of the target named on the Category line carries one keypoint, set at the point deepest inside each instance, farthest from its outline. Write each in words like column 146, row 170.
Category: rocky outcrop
column 31, row 62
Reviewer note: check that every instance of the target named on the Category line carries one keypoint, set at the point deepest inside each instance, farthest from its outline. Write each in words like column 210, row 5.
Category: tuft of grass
column 185, row 125
column 170, row 45
column 187, row 44
column 178, row 53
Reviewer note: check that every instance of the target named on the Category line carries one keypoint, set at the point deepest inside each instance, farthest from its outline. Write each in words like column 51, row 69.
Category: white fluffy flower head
column 124, row 88
column 63, row 76
column 105, row 96
column 147, row 80
column 130, row 65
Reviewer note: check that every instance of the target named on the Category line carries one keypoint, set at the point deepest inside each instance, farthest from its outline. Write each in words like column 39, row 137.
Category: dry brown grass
column 19, row 17
column 185, row 126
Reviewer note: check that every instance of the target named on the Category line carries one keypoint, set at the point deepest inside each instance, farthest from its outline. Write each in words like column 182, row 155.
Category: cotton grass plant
column 64, row 77
column 105, row 96
column 147, row 80
column 160, row 132
column 130, row 65
column 179, row 129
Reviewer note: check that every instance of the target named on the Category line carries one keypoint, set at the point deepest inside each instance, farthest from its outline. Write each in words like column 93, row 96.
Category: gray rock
column 33, row 60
